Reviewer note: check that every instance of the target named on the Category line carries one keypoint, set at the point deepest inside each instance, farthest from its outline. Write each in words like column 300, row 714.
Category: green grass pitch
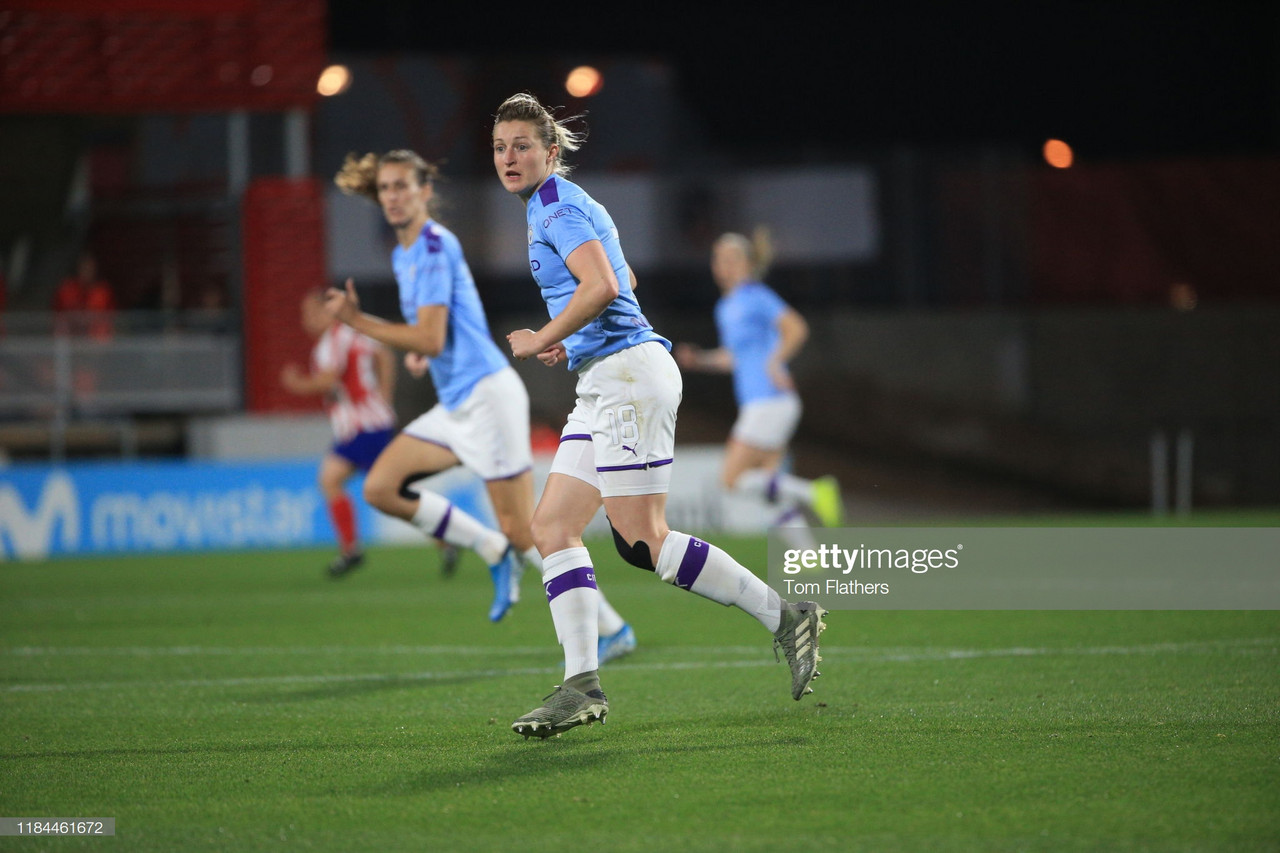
column 243, row 701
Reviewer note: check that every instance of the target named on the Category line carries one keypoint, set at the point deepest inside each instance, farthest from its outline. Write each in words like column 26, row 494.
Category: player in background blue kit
column 759, row 335
column 618, row 445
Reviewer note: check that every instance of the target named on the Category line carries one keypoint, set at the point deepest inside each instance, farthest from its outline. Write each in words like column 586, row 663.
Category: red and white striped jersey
column 356, row 403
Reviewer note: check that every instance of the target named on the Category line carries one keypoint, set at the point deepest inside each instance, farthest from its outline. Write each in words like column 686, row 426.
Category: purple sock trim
column 572, row 579
column 794, row 512
column 695, row 557
column 444, row 522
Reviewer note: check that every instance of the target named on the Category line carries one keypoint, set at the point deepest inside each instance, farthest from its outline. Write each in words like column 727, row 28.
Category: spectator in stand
column 85, row 303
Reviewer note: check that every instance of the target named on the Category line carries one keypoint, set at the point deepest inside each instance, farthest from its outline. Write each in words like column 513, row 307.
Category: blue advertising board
column 119, row 507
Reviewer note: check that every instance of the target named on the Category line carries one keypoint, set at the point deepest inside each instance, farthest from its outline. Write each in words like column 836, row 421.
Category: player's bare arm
column 386, row 367
column 694, row 357
column 793, row 331
column 294, row 380
column 427, row 336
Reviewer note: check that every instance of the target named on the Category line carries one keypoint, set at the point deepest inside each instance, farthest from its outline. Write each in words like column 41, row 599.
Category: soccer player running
column 618, row 444
column 759, row 335
column 482, row 418
column 355, row 375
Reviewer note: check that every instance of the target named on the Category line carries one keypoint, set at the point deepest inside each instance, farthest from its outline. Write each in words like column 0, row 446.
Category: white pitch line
column 357, row 677
column 224, row 651
column 900, row 653
column 855, row 653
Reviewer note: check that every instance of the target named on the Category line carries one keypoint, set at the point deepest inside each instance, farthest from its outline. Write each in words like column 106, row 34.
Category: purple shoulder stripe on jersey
column 549, row 192
column 433, row 241
column 695, row 557
column 444, row 523
column 577, row 436
column 584, row 577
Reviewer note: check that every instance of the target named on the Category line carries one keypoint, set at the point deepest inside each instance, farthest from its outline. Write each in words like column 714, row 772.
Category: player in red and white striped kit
column 356, row 375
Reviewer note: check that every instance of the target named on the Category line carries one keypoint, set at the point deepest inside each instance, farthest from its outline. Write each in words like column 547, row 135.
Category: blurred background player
column 759, row 335
column 482, row 418
column 618, row 444
column 356, row 376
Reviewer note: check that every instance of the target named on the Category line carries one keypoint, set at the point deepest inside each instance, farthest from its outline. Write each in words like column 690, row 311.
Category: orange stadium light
column 334, row 80
column 583, row 82
column 1058, row 154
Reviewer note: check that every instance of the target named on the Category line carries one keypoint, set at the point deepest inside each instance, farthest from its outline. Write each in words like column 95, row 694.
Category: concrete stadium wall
column 1025, row 392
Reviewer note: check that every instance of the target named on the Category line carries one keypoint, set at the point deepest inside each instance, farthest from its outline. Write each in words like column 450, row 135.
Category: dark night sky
column 1118, row 79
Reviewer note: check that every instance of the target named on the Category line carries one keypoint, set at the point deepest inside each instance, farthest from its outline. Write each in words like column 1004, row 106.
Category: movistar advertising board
column 198, row 505
column 110, row 507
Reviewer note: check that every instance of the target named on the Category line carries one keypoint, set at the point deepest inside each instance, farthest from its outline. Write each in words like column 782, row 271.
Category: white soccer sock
column 793, row 529
column 436, row 516
column 608, row 621
column 529, row 559
column 701, row 567
column 775, row 487
column 570, row 582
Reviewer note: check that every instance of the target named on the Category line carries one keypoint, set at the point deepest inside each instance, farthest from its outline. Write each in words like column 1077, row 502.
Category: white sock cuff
column 682, row 559
column 755, row 482
column 437, row 517
column 554, row 565
column 432, row 514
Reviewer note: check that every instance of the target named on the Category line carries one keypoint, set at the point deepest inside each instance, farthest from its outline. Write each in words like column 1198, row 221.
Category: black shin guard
column 637, row 555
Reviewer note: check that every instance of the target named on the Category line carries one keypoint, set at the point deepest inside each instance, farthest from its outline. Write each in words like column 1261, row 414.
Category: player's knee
column 378, row 493
column 405, row 488
column 636, row 553
column 549, row 534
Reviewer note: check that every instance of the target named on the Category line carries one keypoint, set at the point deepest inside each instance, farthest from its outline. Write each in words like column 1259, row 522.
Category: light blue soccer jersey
column 747, row 319
column 561, row 218
column 433, row 272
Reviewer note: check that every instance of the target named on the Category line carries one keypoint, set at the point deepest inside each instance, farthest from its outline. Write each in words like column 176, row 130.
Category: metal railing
column 63, row 370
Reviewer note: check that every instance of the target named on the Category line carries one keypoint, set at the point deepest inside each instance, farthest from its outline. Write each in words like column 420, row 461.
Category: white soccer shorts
column 621, row 435
column 489, row 432
column 768, row 424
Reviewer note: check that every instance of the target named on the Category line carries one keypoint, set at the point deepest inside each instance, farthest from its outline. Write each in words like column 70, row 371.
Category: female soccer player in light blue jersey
column 619, row 443
column 759, row 335
column 482, row 418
